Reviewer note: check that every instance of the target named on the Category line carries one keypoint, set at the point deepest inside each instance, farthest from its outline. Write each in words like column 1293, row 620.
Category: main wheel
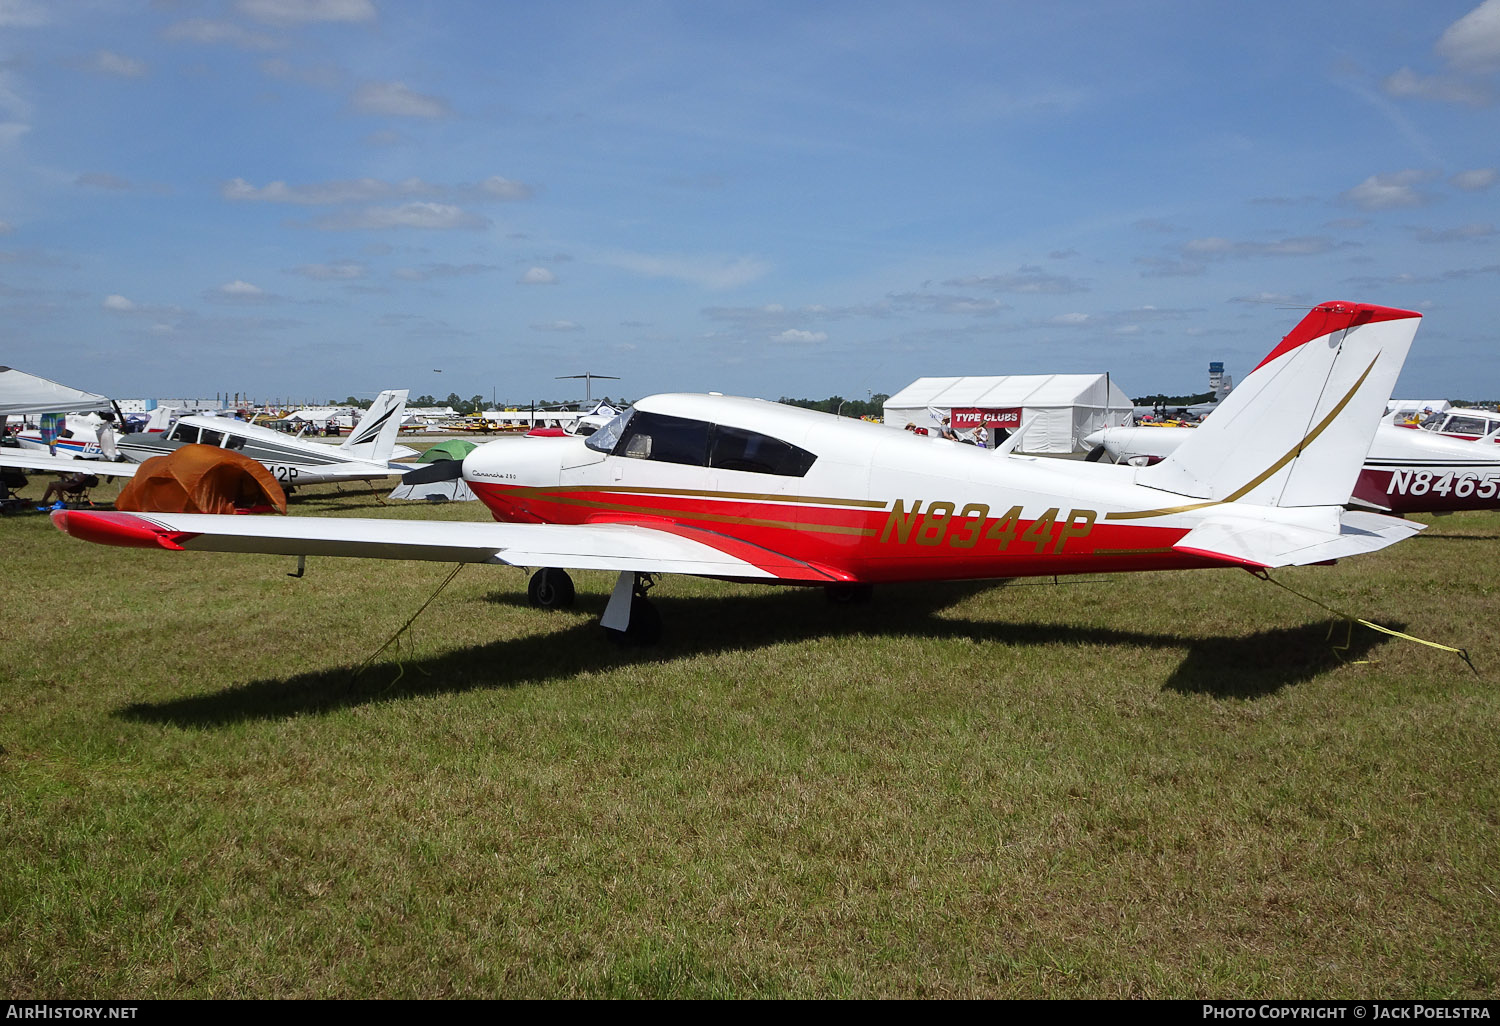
column 550, row 589
column 645, row 625
column 849, row 594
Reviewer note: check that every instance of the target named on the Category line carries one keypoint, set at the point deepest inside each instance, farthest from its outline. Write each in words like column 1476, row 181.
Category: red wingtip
column 114, row 529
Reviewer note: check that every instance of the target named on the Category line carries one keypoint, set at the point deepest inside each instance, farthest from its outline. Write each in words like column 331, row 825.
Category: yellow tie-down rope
column 1350, row 621
column 402, row 630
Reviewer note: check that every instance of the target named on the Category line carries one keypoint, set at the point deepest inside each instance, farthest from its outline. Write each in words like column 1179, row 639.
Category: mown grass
column 1156, row 785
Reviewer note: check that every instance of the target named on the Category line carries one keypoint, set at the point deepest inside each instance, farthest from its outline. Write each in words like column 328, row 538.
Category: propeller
column 442, row 470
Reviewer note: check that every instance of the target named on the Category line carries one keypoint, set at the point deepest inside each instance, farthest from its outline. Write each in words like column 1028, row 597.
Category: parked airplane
column 1459, row 422
column 1405, row 471
column 83, row 431
column 364, row 455
column 754, row 490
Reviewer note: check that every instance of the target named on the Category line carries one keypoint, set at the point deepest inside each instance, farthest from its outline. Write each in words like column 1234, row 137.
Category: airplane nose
column 506, row 473
column 1097, row 438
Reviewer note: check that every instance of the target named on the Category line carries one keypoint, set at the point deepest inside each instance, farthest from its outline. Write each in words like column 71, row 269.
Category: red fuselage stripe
column 861, row 544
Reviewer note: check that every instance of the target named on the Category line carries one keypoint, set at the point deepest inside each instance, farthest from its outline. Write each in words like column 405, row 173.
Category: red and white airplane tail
column 1295, row 432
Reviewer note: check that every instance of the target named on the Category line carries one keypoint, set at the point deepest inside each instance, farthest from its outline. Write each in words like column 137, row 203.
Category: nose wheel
column 550, row 589
column 630, row 618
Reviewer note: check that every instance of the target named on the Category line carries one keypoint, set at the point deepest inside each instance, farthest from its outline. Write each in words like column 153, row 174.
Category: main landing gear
column 629, row 619
column 550, row 589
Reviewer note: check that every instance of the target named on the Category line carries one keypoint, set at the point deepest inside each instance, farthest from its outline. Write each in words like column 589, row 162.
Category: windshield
column 607, row 437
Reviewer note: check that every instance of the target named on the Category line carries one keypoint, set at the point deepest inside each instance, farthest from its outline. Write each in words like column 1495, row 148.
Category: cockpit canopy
column 636, row 434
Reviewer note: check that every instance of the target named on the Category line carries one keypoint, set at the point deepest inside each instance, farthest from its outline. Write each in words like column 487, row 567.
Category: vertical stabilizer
column 374, row 437
column 1296, row 431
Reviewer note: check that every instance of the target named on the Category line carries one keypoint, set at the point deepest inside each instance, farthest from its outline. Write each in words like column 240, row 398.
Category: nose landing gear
column 630, row 618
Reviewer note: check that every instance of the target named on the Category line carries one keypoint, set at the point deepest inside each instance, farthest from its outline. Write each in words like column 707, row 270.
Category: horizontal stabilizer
column 1264, row 544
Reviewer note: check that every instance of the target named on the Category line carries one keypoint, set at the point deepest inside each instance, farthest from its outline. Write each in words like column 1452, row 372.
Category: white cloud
column 1301, row 245
column 431, row 271
column 557, row 326
column 1070, row 319
column 291, row 12
column 1471, row 49
column 364, row 190
column 437, row 216
column 499, row 188
column 394, row 99
column 344, row 270
column 1384, row 192
column 103, row 180
column 6, row 228
column 322, row 193
column 1026, row 281
column 323, row 76
column 1473, row 41
column 1463, row 233
column 1473, row 181
column 942, row 303
column 22, row 14
column 106, row 62
column 209, row 32
column 1443, row 88
column 239, row 292
column 1270, row 299
column 538, row 276
column 707, row 272
column 118, row 304
column 798, row 335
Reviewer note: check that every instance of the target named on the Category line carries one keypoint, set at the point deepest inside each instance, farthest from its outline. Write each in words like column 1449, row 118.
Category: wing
column 64, row 464
column 622, row 547
column 1266, row 543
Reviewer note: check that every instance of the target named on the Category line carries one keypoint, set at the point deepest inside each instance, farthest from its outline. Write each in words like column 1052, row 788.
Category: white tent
column 1057, row 410
column 22, row 393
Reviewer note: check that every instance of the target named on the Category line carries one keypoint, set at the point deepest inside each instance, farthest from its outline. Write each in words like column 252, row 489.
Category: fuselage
column 290, row 460
column 864, row 502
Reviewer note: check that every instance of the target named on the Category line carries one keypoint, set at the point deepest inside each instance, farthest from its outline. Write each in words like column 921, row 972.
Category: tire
column 550, row 589
column 645, row 625
column 849, row 594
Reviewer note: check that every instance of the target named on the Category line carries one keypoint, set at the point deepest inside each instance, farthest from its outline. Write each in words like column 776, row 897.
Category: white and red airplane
column 753, row 490
column 1406, row 471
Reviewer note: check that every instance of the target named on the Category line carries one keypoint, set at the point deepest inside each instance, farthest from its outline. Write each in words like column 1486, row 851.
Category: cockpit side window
column 1466, row 426
column 663, row 439
column 207, row 437
column 738, row 449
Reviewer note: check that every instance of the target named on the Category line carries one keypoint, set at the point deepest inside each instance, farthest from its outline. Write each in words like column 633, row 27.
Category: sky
column 309, row 199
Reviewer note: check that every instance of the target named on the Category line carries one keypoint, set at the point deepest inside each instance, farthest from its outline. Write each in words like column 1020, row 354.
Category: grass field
column 1161, row 785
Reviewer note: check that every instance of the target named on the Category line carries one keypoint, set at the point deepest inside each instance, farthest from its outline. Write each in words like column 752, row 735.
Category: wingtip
column 120, row 529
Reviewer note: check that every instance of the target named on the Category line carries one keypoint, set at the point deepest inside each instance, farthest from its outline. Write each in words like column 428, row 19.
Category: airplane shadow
column 1246, row 667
